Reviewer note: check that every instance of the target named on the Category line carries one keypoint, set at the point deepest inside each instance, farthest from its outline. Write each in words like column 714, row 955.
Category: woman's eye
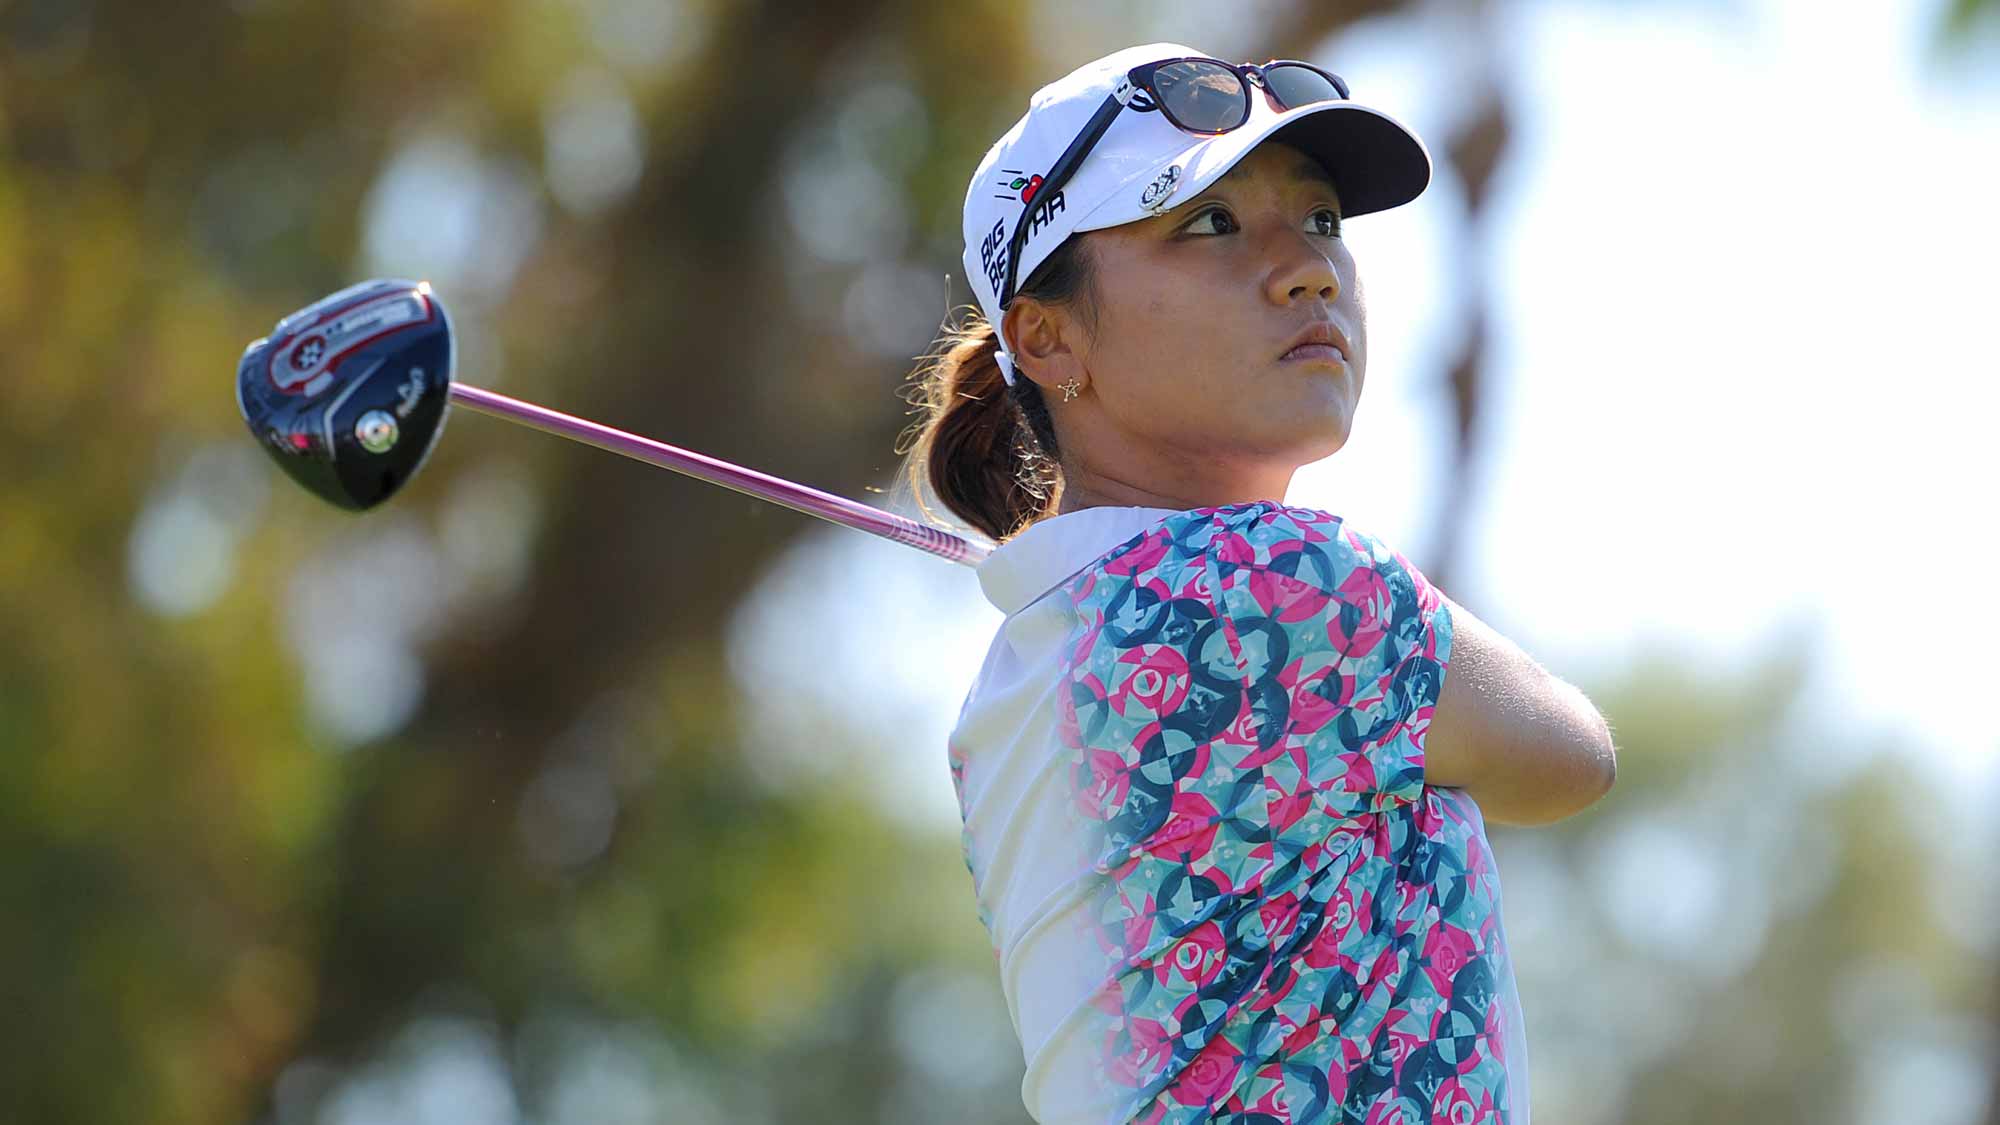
column 1216, row 221
column 1324, row 222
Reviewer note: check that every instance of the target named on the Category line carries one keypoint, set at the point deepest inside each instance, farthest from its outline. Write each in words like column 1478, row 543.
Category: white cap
column 1145, row 166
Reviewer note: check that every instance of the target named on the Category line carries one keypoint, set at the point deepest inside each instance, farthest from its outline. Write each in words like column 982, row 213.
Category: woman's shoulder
column 1256, row 535
column 1265, row 564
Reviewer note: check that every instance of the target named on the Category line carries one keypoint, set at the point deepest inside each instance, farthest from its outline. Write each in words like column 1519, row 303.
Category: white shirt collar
column 1021, row 570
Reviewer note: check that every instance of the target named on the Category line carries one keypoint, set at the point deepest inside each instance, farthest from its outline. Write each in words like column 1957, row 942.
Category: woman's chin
column 1333, row 443
column 1324, row 421
column 1317, row 436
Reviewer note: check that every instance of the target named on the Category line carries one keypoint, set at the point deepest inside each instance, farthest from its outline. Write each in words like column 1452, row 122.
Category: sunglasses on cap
column 1207, row 97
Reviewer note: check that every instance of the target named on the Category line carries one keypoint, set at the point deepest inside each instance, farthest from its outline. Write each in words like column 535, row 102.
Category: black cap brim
column 1375, row 162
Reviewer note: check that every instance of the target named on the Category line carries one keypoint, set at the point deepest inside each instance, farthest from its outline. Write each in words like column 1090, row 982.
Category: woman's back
column 1200, row 830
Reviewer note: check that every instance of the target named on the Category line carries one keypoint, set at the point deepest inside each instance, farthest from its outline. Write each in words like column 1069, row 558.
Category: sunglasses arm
column 1058, row 175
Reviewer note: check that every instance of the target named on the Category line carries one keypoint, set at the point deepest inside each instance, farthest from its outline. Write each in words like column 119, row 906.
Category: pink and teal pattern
column 1300, row 929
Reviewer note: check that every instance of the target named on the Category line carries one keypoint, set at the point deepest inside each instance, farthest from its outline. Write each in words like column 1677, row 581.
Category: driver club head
column 349, row 394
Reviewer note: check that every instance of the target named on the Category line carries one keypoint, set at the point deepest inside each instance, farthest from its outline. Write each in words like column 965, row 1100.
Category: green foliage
column 213, row 883
column 1756, row 921
column 1963, row 16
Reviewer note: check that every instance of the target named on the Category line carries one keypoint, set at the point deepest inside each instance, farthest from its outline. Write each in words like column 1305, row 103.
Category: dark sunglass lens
column 1201, row 96
column 1295, row 85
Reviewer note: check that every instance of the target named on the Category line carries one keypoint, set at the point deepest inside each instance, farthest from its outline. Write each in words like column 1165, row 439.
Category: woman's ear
column 1041, row 341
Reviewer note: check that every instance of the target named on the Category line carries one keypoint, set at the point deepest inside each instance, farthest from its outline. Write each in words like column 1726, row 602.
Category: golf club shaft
column 797, row 497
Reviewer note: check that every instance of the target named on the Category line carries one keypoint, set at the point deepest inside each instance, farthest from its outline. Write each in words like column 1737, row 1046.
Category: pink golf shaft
column 797, row 497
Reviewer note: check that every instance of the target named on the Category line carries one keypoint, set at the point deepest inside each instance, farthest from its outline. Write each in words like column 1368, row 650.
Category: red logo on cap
column 1028, row 193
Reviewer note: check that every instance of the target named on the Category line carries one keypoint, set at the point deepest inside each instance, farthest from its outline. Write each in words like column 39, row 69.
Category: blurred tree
column 1963, row 17
column 214, row 894
column 1961, row 27
column 1763, row 934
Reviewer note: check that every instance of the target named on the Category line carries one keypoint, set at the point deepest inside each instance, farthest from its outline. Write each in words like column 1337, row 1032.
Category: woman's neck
column 1084, row 489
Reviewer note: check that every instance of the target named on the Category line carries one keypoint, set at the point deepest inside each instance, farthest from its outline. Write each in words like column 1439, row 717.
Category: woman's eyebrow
column 1303, row 170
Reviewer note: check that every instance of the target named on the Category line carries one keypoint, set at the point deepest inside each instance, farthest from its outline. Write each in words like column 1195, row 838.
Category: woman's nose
column 1302, row 272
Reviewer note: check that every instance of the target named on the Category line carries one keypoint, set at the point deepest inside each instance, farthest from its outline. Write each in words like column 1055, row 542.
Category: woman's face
column 1198, row 391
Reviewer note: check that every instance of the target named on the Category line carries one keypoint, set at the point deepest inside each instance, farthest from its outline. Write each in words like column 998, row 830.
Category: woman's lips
column 1325, row 353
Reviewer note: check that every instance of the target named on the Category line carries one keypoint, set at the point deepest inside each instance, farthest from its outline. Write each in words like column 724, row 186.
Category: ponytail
column 988, row 451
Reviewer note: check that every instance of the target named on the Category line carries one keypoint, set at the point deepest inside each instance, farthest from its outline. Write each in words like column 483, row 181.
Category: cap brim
column 1376, row 163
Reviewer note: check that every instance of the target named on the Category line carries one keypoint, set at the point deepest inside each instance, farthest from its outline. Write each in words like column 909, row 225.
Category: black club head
column 350, row 393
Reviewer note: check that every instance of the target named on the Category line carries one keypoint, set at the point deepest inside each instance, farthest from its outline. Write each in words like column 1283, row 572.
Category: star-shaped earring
column 1070, row 389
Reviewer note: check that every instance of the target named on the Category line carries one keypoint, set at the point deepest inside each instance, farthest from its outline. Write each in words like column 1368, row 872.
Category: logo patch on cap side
column 1155, row 197
column 1017, row 183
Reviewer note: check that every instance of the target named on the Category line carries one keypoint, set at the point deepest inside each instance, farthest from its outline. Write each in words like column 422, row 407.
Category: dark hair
column 988, row 450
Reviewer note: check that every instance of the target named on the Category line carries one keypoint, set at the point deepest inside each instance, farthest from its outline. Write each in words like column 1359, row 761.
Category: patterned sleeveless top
column 1200, row 837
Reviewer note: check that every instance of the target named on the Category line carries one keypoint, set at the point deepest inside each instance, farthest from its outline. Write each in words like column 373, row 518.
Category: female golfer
column 1223, row 772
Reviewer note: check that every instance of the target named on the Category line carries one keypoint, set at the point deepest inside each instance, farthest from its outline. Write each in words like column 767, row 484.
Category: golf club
column 349, row 395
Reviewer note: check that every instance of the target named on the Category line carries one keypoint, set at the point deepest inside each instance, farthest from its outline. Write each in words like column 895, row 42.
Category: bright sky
column 1742, row 270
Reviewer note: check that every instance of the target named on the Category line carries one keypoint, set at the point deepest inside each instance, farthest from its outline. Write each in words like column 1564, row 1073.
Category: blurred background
column 565, row 790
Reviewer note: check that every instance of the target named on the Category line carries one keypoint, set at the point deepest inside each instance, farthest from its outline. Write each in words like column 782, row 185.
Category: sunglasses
column 1207, row 97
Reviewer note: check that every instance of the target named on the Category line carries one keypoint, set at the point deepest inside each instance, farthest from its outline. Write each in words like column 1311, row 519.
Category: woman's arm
column 1527, row 746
